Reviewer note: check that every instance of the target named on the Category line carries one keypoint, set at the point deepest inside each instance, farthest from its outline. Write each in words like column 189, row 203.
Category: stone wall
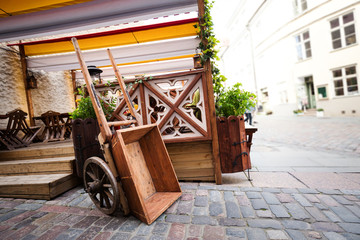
column 54, row 90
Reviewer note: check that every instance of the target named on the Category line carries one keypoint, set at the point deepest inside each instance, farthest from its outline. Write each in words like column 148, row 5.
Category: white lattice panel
column 177, row 127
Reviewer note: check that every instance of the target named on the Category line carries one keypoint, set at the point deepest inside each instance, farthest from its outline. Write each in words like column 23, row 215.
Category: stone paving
column 337, row 134
column 275, row 205
column 204, row 211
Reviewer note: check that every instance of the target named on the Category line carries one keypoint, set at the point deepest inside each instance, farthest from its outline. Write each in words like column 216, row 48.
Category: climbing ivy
column 208, row 52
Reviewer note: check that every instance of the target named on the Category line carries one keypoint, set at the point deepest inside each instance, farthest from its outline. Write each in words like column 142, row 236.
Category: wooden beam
column 212, row 113
column 73, row 79
column 27, row 90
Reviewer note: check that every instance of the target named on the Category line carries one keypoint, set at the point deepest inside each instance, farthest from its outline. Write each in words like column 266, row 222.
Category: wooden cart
column 136, row 171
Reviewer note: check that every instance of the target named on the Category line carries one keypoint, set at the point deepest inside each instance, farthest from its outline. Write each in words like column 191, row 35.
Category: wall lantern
column 95, row 74
column 197, row 59
column 31, row 80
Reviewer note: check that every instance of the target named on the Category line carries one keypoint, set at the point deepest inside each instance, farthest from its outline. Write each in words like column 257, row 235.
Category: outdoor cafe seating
column 18, row 133
column 54, row 126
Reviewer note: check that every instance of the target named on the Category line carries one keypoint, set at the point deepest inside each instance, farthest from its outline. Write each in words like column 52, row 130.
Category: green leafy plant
column 208, row 49
column 297, row 111
column 319, row 110
column 85, row 108
column 235, row 101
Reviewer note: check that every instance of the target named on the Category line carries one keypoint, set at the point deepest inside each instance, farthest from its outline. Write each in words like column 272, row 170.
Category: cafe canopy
column 145, row 37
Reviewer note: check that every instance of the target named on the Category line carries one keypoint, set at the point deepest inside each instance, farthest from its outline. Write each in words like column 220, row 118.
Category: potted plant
column 234, row 139
column 320, row 112
column 85, row 128
column 298, row 112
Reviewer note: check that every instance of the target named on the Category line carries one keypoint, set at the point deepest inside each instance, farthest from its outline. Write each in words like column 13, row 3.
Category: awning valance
column 146, row 52
column 127, row 36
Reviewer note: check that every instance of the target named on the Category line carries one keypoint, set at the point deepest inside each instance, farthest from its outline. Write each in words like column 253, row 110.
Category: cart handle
column 122, row 123
column 123, row 89
column 104, row 126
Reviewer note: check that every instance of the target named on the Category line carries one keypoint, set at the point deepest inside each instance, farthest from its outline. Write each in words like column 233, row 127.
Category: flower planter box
column 84, row 133
column 234, row 143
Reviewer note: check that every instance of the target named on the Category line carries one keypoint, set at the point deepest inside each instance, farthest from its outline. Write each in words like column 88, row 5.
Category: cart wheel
column 101, row 185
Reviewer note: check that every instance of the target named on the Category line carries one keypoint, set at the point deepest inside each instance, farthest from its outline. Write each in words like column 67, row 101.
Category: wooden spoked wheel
column 101, row 185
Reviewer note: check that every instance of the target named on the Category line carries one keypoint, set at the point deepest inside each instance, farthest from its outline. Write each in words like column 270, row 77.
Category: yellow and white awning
column 147, row 47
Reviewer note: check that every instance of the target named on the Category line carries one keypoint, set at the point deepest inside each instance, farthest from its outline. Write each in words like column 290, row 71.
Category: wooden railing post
column 212, row 113
column 27, row 90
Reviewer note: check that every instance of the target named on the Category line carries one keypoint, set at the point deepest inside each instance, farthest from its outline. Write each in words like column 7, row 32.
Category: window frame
column 302, row 45
column 299, row 6
column 341, row 29
column 343, row 79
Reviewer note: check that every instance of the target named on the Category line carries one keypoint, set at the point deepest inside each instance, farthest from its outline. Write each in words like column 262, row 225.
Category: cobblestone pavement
column 275, row 205
column 341, row 135
column 204, row 211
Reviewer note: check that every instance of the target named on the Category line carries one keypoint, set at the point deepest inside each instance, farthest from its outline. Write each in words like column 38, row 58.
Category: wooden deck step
column 40, row 150
column 37, row 166
column 36, row 186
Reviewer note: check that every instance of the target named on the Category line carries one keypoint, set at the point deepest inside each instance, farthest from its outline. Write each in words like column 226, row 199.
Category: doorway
column 310, row 92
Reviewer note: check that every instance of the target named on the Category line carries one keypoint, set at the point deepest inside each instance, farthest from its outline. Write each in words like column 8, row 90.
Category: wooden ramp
column 41, row 171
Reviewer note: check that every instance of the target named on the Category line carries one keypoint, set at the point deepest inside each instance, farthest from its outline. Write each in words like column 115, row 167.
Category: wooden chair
column 18, row 133
column 54, row 127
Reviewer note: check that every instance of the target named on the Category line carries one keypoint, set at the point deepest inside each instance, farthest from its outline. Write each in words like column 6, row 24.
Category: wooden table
column 57, row 126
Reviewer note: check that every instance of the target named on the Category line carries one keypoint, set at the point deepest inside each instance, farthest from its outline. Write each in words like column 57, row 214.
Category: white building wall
column 273, row 26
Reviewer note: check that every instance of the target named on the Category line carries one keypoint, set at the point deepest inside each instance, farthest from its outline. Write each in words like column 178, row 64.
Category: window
column 345, row 81
column 343, row 31
column 303, row 46
column 300, row 5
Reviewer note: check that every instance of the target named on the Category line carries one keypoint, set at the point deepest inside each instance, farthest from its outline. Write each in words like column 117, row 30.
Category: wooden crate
column 146, row 172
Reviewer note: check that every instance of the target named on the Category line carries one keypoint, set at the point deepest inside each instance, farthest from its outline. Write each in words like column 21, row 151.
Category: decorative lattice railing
column 177, row 102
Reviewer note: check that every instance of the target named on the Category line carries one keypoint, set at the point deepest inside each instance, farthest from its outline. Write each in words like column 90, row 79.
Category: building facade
column 295, row 54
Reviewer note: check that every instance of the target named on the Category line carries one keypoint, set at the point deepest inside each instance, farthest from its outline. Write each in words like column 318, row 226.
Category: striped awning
column 24, row 19
column 127, row 36
column 148, row 47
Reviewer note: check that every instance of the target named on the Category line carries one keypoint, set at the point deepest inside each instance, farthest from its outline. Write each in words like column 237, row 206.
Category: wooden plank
column 199, row 178
column 188, row 148
column 62, row 185
column 159, row 163
column 193, row 165
column 194, row 173
column 212, row 115
column 138, row 167
column 224, row 144
column 134, row 134
column 36, row 186
column 32, row 153
column 234, row 162
column 37, row 166
column 191, row 157
column 159, row 202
